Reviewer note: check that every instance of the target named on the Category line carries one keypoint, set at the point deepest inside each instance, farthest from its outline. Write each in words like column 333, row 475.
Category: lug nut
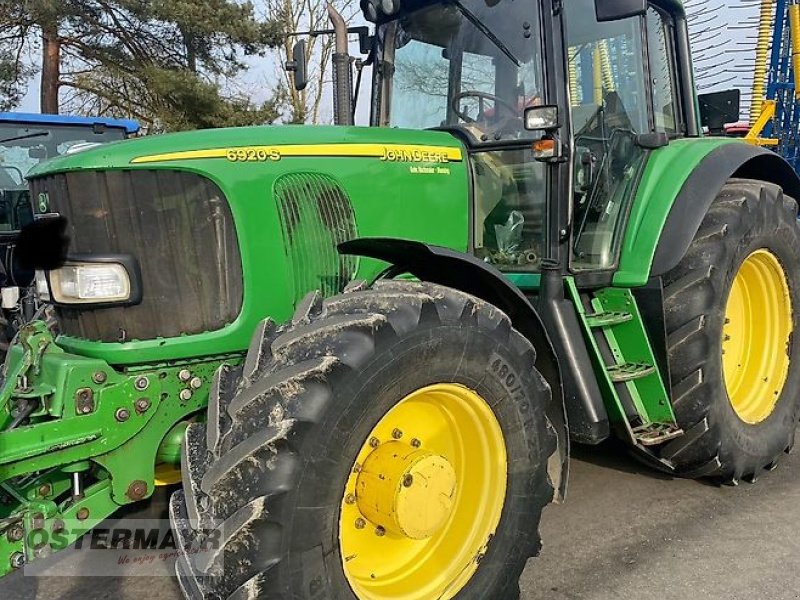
column 374, row 442
column 17, row 560
column 184, row 375
column 196, row 383
column 15, row 534
column 380, row 531
column 137, row 490
column 142, row 383
column 99, row 377
column 185, row 395
column 122, row 415
column 397, row 434
column 142, row 405
column 83, row 514
column 415, row 443
column 360, row 523
column 350, row 499
column 408, row 480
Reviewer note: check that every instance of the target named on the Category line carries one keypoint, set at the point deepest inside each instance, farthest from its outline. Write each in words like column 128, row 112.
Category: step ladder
column 634, row 392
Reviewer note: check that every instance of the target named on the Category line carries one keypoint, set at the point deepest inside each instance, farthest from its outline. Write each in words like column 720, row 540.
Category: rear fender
column 678, row 185
column 704, row 184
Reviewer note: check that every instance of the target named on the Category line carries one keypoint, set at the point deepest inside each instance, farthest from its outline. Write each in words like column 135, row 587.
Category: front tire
column 732, row 306
column 388, row 443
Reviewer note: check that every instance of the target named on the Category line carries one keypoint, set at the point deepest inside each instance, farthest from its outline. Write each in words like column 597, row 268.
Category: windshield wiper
column 484, row 29
column 26, row 136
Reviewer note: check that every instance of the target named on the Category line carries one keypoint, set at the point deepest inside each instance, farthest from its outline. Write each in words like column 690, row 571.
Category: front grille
column 179, row 227
column 316, row 215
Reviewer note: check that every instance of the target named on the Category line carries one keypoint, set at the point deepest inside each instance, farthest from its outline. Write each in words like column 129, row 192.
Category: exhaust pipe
column 342, row 73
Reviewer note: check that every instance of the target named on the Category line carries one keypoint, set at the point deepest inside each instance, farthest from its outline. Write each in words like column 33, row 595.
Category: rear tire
column 738, row 417
column 268, row 474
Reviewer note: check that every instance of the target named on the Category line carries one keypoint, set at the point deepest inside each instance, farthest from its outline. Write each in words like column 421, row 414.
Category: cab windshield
column 473, row 65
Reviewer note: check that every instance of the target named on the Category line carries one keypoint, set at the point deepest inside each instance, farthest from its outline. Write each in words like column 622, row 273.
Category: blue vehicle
column 28, row 139
column 25, row 141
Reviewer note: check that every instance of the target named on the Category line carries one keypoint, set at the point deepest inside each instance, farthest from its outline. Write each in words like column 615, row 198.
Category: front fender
column 466, row 273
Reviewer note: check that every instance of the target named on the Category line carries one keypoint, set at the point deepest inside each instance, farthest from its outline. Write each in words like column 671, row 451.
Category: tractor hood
column 228, row 226
column 277, row 141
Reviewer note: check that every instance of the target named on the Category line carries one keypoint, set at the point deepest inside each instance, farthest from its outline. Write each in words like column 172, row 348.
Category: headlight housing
column 96, row 281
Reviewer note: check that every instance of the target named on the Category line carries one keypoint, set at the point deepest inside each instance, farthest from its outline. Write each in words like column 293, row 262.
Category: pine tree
column 163, row 62
column 13, row 79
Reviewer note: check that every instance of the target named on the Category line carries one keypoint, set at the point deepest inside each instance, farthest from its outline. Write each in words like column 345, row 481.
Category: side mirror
column 614, row 10
column 542, row 118
column 299, row 65
column 717, row 109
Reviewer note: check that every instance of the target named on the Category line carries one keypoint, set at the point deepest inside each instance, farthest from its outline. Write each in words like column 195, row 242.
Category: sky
column 722, row 34
column 30, row 103
column 723, row 38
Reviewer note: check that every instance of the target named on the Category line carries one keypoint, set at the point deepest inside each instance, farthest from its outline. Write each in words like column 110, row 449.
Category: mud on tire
column 266, row 475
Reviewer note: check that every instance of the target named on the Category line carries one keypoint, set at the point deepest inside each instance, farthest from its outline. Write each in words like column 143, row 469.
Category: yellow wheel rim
column 424, row 497
column 756, row 335
column 167, row 474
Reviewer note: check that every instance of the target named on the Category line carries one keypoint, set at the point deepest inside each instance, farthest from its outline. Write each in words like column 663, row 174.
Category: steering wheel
column 481, row 96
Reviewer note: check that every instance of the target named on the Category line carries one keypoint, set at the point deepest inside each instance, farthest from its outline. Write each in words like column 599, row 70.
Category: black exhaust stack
column 342, row 72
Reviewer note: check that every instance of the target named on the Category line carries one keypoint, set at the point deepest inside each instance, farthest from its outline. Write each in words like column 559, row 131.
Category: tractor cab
column 473, row 69
column 558, row 104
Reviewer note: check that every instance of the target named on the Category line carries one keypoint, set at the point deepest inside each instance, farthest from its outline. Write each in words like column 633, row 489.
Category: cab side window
column 610, row 107
column 623, row 83
column 660, row 33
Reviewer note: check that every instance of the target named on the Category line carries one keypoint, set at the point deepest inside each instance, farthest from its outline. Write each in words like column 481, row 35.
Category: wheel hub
column 424, row 496
column 407, row 491
column 756, row 336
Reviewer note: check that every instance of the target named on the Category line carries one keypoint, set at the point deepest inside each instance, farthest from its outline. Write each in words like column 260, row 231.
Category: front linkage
column 79, row 439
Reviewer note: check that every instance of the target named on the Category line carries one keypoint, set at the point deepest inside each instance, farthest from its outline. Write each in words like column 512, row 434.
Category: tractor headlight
column 92, row 280
column 90, row 283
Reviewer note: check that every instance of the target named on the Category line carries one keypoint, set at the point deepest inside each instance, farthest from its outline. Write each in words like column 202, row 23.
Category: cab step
column 629, row 371
column 607, row 318
column 656, row 433
column 633, row 386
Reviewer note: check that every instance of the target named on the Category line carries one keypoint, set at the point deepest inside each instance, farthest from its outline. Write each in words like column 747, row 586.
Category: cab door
column 623, row 89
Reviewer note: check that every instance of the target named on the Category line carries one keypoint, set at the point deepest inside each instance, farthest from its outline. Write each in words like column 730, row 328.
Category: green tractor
column 369, row 348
